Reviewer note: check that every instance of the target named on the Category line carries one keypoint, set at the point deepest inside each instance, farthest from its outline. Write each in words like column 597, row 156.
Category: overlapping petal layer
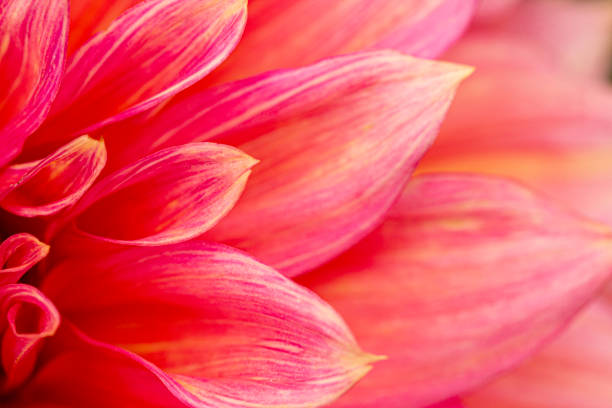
column 232, row 332
column 282, row 34
column 27, row 318
column 151, row 52
column 32, row 52
column 559, row 142
column 44, row 187
column 573, row 371
column 337, row 141
column 466, row 278
column 167, row 197
column 18, row 253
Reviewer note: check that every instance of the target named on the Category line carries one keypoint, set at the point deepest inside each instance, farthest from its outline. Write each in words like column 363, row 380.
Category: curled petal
column 170, row 196
column 154, row 50
column 560, row 143
column 337, row 141
column 27, row 318
column 231, row 331
column 467, row 277
column 18, row 253
column 421, row 28
column 573, row 371
column 32, row 52
column 89, row 17
column 46, row 186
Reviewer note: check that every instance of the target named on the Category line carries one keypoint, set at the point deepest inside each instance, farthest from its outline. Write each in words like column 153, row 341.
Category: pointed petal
column 421, row 28
column 27, row 318
column 467, row 277
column 18, row 253
column 46, row 186
column 560, row 143
column 89, row 17
column 170, row 196
column 232, row 331
column 573, row 371
column 337, row 141
column 154, row 50
column 32, row 51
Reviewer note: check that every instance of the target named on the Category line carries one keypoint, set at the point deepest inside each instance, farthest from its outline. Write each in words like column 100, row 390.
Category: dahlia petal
column 18, row 253
column 28, row 317
column 422, row 28
column 89, row 17
column 32, row 51
column 576, row 35
column 573, row 371
column 334, row 154
column 560, row 143
column 154, row 50
column 230, row 330
column 170, row 196
column 46, row 186
column 451, row 403
column 491, row 11
column 467, row 277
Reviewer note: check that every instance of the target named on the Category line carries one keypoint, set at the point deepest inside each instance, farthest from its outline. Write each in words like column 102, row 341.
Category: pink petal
column 18, row 253
column 491, row 11
column 573, row 371
column 467, row 277
column 576, row 35
column 89, row 17
column 281, row 34
column 170, row 196
column 154, row 50
column 337, row 141
column 27, row 319
column 451, row 403
column 230, row 330
column 559, row 143
column 32, row 51
column 46, row 186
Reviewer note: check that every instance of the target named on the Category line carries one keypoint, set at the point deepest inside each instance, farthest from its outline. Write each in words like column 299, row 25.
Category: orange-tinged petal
column 170, row 196
column 32, row 52
column 467, row 277
column 573, row 371
column 27, row 318
column 337, row 141
column 89, row 17
column 559, row 142
column 18, row 253
column 422, row 28
column 154, row 50
column 44, row 187
column 233, row 332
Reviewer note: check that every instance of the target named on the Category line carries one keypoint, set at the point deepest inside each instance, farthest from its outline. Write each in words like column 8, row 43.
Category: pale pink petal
column 573, row 371
column 491, row 11
column 230, row 330
column 27, row 318
column 553, row 132
column 337, row 141
column 170, row 196
column 283, row 34
column 576, row 35
column 44, row 187
column 467, row 277
column 32, row 51
column 18, row 253
column 154, row 50
column 89, row 17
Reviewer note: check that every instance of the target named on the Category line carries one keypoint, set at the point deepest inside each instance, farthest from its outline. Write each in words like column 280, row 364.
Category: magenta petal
column 32, row 51
column 18, row 253
column 27, row 318
column 170, row 196
column 46, row 186
column 151, row 52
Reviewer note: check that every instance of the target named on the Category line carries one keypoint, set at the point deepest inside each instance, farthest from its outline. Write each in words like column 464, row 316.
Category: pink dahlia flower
column 175, row 236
